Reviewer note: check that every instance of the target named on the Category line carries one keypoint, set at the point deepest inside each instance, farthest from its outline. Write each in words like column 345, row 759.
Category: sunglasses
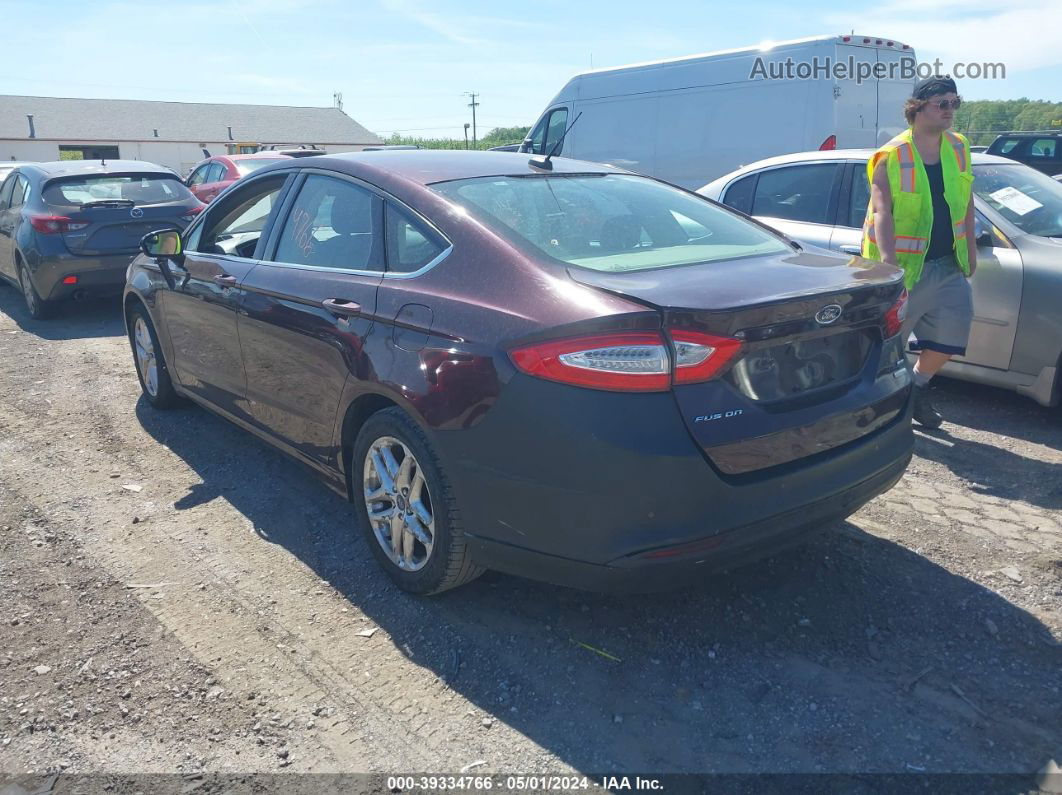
column 946, row 104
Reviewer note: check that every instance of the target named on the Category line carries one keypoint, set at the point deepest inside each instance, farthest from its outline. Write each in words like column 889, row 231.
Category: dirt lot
column 177, row 597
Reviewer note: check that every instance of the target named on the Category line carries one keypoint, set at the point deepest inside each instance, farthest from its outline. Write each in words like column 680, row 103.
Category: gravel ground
column 177, row 597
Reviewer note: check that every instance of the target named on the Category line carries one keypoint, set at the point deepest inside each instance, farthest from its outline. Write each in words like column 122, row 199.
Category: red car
column 216, row 173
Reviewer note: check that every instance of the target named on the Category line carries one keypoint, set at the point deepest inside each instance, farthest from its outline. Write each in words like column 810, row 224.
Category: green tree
column 499, row 136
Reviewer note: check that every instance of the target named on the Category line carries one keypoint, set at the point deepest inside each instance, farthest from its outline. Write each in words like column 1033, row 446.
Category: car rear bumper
column 698, row 559
column 95, row 276
column 607, row 491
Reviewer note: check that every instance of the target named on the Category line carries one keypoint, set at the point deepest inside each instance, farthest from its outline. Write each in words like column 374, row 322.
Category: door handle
column 341, row 307
column 225, row 280
column 850, row 249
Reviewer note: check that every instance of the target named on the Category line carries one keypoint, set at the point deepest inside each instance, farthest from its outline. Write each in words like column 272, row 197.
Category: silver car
column 1015, row 343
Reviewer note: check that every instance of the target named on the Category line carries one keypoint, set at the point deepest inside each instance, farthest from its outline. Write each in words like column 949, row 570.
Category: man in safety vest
column 921, row 218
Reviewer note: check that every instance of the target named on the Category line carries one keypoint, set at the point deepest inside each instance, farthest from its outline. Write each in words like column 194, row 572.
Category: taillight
column 698, row 356
column 895, row 316
column 637, row 361
column 55, row 224
column 622, row 362
column 829, row 144
column 189, row 216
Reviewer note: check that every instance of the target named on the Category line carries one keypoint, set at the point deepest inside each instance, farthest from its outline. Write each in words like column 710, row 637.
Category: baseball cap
column 931, row 86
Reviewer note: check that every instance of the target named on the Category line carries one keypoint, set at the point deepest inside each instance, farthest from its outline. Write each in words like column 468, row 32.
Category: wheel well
column 357, row 413
column 130, row 300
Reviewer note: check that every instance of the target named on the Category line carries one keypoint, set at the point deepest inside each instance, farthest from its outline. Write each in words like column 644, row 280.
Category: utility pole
column 473, row 104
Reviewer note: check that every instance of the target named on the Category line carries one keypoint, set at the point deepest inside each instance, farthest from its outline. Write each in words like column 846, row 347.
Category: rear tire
column 149, row 361
column 38, row 308
column 415, row 529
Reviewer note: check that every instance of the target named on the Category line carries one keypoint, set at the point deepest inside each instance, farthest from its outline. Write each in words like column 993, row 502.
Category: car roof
column 978, row 158
column 251, row 156
column 427, row 166
column 1030, row 134
column 74, row 168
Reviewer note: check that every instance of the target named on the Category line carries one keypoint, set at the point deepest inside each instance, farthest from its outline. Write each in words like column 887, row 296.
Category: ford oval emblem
column 136, row 212
column 828, row 314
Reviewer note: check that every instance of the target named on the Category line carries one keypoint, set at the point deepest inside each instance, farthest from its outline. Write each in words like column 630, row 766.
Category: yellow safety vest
column 912, row 204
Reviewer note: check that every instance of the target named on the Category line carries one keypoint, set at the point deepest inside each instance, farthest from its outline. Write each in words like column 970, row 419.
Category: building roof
column 65, row 119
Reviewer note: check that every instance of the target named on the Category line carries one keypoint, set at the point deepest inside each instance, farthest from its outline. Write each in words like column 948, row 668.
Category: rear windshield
column 138, row 188
column 245, row 167
column 613, row 222
column 1028, row 199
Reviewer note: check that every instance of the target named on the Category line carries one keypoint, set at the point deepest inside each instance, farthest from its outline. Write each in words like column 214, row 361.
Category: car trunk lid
column 806, row 378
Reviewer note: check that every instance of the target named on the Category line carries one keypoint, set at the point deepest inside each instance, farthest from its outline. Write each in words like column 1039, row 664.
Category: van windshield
column 1028, row 199
column 609, row 222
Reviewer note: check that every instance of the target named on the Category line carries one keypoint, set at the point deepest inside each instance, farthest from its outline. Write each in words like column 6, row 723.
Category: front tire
column 150, row 364
column 406, row 508
column 38, row 308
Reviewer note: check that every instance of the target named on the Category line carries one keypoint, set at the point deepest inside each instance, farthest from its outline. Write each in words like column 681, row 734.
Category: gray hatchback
column 69, row 229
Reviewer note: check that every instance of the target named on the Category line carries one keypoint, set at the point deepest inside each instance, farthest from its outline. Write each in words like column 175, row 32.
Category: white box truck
column 689, row 120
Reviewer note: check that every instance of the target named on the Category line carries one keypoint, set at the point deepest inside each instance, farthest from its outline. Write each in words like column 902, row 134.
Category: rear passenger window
column 332, row 224
column 1043, row 147
column 857, row 208
column 21, row 191
column 410, row 244
column 215, row 173
column 1008, row 145
column 739, row 195
column 796, row 193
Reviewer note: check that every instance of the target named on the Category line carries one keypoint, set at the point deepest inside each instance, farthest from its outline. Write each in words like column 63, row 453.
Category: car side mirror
column 984, row 239
column 163, row 243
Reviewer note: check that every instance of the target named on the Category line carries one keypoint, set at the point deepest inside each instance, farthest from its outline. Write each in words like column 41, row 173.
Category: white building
column 172, row 134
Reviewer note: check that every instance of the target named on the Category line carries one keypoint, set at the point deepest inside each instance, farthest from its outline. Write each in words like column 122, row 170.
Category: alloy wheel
column 398, row 503
column 145, row 356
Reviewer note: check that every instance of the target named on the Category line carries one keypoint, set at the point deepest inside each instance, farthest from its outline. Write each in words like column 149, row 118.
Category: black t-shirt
column 941, row 239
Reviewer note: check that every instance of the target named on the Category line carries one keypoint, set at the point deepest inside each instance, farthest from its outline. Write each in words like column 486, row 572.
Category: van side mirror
column 163, row 243
column 984, row 239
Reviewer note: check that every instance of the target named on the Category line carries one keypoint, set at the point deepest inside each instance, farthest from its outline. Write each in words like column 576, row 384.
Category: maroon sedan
column 559, row 369
column 216, row 173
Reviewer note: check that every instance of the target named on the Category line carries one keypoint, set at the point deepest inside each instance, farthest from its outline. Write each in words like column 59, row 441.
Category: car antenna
column 543, row 162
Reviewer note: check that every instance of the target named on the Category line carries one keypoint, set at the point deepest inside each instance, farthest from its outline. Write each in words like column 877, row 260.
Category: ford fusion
column 550, row 368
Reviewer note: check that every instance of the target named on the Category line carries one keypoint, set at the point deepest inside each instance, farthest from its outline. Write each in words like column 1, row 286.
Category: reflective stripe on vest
column 958, row 148
column 959, row 230
column 905, row 244
column 908, row 171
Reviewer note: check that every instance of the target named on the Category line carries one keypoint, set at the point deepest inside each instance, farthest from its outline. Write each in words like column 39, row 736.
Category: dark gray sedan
column 70, row 228
column 1016, row 339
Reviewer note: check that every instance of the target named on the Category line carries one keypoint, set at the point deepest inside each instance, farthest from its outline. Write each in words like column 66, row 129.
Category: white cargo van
column 690, row 120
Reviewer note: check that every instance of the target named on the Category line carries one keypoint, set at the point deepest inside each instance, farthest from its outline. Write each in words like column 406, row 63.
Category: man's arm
column 881, row 201
column 971, row 239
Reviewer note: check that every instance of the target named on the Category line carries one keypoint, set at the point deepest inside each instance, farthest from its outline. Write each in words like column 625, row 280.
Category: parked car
column 690, row 120
column 1016, row 339
column 506, row 148
column 213, row 175
column 1042, row 151
column 69, row 228
column 978, row 148
column 566, row 372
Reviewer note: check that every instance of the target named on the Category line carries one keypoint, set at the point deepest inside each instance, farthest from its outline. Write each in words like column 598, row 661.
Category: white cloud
column 437, row 23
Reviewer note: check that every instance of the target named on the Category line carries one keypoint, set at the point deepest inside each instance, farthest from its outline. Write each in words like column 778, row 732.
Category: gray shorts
column 940, row 308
